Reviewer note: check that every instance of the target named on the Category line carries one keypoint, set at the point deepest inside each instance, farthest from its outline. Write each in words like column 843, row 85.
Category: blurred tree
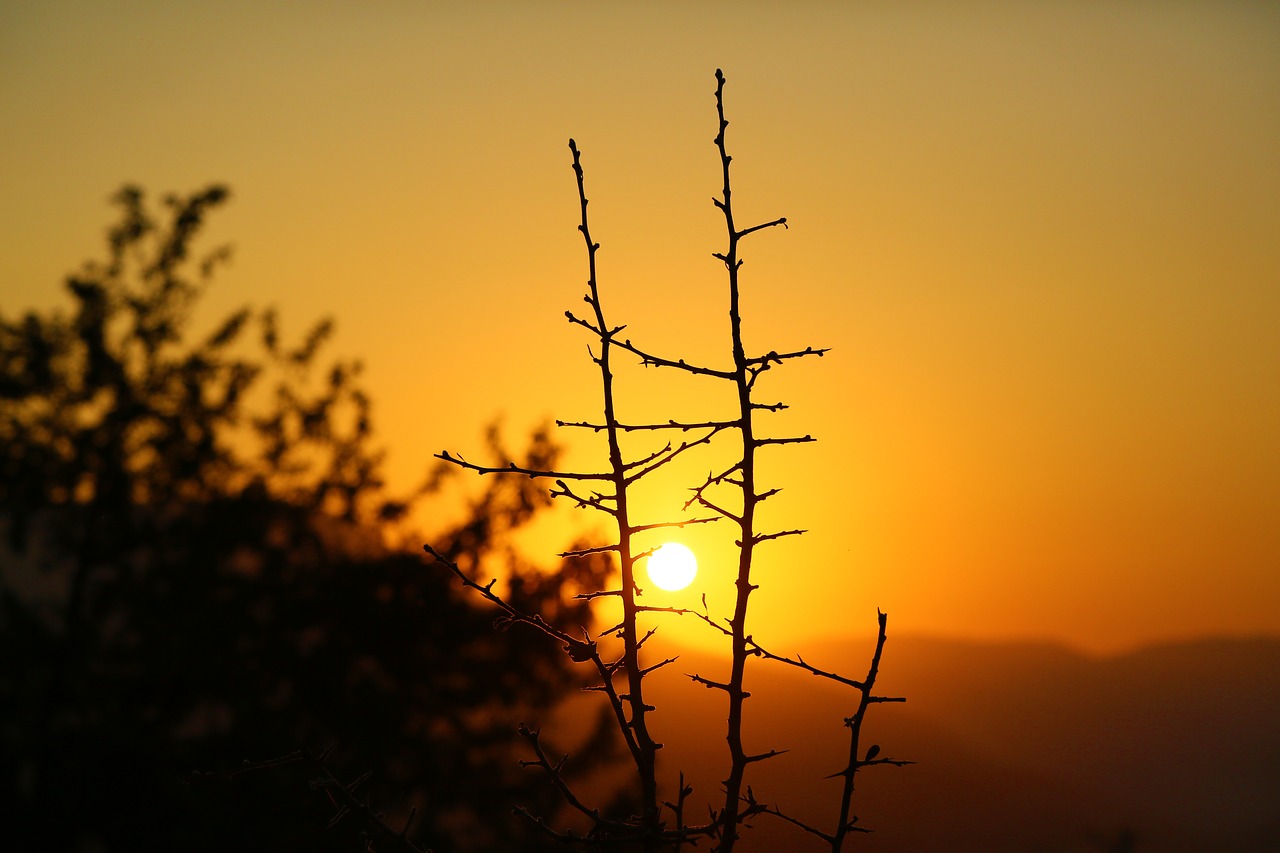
column 198, row 565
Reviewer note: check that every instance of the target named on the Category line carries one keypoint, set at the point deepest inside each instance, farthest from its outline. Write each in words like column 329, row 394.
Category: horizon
column 1040, row 242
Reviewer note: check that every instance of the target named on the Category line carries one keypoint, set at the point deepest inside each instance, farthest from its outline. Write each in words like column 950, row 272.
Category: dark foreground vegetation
column 200, row 565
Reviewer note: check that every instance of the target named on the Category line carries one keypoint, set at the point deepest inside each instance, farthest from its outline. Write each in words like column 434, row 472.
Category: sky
column 1038, row 237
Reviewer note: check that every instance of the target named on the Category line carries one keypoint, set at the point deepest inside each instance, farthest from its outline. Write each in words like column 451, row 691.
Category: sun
column 672, row 566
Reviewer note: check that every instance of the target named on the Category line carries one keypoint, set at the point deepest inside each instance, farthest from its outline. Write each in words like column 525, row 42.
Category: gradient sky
column 1042, row 239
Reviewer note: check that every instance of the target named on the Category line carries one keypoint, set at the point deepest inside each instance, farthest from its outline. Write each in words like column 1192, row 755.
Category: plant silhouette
column 620, row 656
column 196, row 568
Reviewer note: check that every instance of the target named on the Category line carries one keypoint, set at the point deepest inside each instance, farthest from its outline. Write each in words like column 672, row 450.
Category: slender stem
column 629, row 708
column 746, row 521
column 745, row 371
column 844, row 824
column 645, row 749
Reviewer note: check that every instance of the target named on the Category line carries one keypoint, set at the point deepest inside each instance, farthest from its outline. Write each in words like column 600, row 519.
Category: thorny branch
column 672, row 424
column 845, row 822
column 578, row 650
column 513, row 468
column 739, row 481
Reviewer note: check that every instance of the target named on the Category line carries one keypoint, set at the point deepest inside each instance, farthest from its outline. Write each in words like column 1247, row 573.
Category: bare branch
column 626, row 700
column 513, row 468
column 582, row 552
column 672, row 424
column 765, row 537
column 650, row 608
column 603, row 593
column 684, row 446
column 776, row 812
column 737, row 519
column 595, row 501
column 708, row 683
column 644, row 460
column 782, row 220
column 650, row 360
column 661, row 524
column 764, row 756
column 775, row 357
column 558, row 780
column 761, row 442
column 659, row 665
column 845, row 822
column 511, row 615
column 713, row 480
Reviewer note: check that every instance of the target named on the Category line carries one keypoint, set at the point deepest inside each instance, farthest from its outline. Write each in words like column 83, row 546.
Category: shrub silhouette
column 619, row 656
column 196, row 569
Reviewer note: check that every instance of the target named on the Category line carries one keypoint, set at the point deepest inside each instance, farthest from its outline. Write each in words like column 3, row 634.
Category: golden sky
column 1041, row 238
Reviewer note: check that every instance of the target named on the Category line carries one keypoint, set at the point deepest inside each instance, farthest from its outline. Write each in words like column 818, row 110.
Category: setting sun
column 672, row 566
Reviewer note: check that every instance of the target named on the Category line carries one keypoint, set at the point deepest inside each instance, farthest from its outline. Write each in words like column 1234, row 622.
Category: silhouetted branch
column 683, row 792
column 672, row 424
column 672, row 454
column 650, row 360
column 765, row 537
column 778, row 813
column 640, row 527
column 764, row 756
column 602, row 593
column 582, row 552
column 532, row 736
column 845, row 822
column 699, row 492
column 513, row 468
column 737, row 519
column 774, row 357
column 632, row 720
column 761, row 442
column 595, row 501
column 511, row 615
column 709, row 683
column 659, row 665
column 734, row 494
column 779, row 221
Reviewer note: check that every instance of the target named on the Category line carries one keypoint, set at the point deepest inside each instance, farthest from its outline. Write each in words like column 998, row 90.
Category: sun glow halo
column 672, row 566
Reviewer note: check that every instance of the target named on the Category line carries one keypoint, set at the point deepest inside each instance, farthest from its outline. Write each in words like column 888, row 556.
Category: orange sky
column 1041, row 239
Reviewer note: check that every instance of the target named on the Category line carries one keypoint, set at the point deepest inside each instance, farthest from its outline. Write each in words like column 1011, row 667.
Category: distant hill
column 1020, row 747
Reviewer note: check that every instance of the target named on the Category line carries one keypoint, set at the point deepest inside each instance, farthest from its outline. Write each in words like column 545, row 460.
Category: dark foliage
column 197, row 570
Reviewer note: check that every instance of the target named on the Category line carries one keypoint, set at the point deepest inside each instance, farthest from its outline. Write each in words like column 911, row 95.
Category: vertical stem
column 855, row 734
column 746, row 544
column 644, row 748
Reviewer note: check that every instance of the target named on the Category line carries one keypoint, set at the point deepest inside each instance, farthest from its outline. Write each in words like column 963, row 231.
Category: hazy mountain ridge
column 1020, row 746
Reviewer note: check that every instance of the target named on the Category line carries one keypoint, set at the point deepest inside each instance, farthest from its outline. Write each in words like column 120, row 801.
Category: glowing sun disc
column 672, row 566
